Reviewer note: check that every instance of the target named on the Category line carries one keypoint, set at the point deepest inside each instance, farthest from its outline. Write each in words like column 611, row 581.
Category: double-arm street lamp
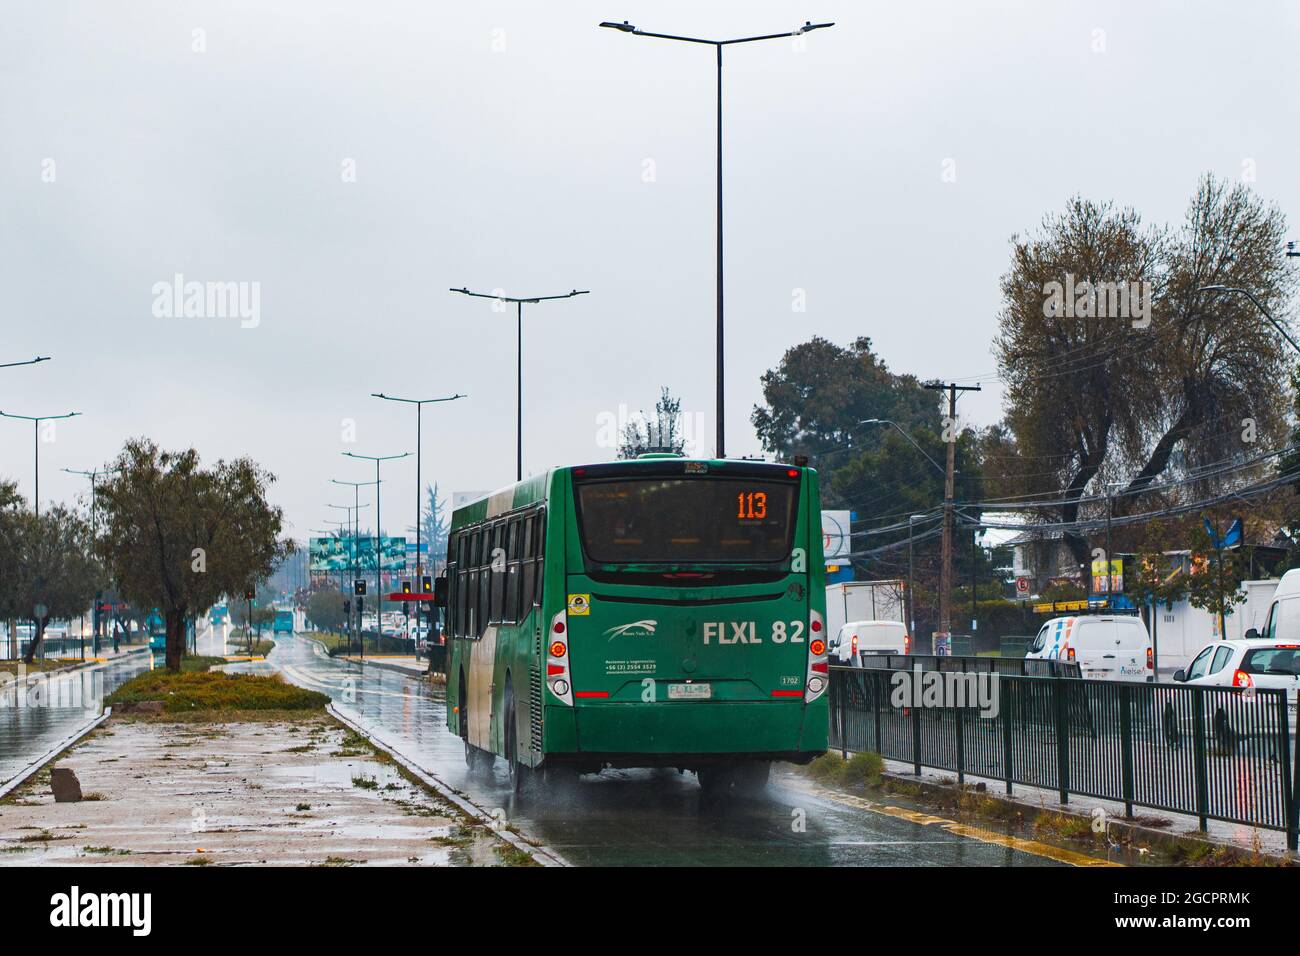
column 519, row 359
column 36, row 433
column 1259, row 305
column 379, row 540
column 808, row 27
column 419, row 404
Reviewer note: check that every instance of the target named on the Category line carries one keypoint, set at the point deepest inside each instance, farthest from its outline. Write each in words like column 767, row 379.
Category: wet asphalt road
column 30, row 730
column 634, row 817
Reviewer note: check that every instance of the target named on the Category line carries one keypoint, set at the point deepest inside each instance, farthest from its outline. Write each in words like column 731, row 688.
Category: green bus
column 656, row 612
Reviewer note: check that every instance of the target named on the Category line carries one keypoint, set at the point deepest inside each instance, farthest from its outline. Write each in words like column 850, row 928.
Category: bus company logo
column 635, row 629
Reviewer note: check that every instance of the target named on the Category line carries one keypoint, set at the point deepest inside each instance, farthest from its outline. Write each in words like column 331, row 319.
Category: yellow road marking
column 1059, row 854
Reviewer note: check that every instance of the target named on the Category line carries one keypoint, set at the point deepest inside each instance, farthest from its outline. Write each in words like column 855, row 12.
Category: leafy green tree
column 53, row 574
column 325, row 610
column 1214, row 583
column 816, row 397
column 177, row 536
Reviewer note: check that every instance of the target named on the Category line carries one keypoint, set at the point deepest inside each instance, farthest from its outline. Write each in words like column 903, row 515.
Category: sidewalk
column 405, row 664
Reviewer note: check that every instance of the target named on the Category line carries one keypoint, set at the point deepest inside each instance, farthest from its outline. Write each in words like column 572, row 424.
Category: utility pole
column 945, row 571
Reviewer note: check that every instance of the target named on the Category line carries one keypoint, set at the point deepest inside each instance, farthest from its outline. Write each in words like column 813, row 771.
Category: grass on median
column 200, row 691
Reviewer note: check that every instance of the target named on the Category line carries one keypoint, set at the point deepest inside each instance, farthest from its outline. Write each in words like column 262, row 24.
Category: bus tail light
column 818, row 665
column 557, row 660
column 1242, row 679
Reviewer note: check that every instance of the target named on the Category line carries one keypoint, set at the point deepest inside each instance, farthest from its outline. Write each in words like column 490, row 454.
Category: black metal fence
column 1216, row 753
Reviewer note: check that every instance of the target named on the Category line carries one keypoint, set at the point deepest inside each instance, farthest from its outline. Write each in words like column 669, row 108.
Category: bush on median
column 216, row 690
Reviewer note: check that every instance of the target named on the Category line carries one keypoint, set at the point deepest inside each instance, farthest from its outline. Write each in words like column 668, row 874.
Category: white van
column 1106, row 647
column 859, row 639
column 1282, row 623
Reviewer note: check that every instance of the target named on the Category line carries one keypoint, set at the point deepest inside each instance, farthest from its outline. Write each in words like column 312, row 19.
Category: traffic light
column 250, row 594
column 427, row 584
column 359, row 586
column 406, row 587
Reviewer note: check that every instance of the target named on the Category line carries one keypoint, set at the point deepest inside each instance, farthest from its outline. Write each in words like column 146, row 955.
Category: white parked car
column 1247, row 663
column 1106, row 647
column 859, row 639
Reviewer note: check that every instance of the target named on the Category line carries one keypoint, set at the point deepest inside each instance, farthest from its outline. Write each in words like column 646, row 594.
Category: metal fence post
column 916, row 739
column 961, row 747
column 1288, row 789
column 1006, row 730
column 1060, row 687
column 877, row 704
column 844, row 736
column 1200, row 758
column 1126, row 744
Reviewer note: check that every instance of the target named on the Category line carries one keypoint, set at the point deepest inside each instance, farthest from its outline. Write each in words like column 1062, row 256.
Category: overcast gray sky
column 355, row 159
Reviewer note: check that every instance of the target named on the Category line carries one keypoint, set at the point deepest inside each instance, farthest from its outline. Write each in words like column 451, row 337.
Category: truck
column 864, row 601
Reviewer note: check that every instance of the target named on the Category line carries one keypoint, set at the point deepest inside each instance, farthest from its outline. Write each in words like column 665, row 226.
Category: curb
column 16, row 781
column 541, row 854
column 1121, row 828
column 87, row 664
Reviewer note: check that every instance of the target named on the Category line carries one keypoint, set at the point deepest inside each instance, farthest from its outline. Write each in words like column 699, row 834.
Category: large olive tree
column 178, row 536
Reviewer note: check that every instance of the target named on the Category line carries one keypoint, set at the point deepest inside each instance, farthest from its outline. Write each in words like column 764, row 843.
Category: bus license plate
column 690, row 691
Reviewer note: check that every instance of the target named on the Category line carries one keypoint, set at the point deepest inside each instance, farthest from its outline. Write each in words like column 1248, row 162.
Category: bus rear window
column 704, row 520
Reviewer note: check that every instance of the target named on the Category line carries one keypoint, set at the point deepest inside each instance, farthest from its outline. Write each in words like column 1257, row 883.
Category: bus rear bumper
column 659, row 734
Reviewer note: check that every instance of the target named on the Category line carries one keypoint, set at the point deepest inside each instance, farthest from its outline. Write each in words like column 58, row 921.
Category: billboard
column 336, row 555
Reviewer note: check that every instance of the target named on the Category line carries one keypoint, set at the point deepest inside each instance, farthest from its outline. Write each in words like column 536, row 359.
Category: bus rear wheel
column 518, row 773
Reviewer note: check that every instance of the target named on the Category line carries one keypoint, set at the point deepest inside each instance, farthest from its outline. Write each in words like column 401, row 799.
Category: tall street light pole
column 36, row 434
column 379, row 540
column 808, row 27
column 419, row 404
column 94, row 492
column 519, row 359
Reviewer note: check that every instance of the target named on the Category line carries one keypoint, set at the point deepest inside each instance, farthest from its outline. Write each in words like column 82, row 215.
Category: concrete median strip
column 540, row 853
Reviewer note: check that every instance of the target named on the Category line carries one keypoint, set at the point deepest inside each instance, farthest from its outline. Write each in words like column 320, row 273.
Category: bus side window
column 539, row 550
column 500, row 570
column 484, row 599
column 512, row 613
column 473, row 610
column 450, row 610
column 528, row 568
